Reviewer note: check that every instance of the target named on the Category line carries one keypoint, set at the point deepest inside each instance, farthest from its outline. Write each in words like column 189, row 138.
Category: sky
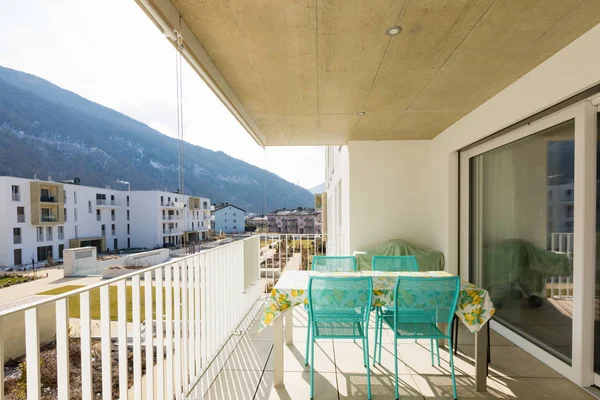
column 109, row 52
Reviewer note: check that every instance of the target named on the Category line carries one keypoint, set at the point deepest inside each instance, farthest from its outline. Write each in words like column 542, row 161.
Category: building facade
column 228, row 218
column 40, row 219
column 295, row 221
column 257, row 223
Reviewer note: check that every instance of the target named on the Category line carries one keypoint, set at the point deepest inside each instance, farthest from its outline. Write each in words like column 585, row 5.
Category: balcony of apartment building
column 171, row 217
column 105, row 201
column 210, row 346
column 437, row 138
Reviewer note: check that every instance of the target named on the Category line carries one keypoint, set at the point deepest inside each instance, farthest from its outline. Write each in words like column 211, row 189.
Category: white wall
column 337, row 182
column 568, row 72
column 390, row 194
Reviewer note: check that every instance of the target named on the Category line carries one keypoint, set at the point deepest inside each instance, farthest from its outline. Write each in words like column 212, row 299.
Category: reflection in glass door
column 521, row 241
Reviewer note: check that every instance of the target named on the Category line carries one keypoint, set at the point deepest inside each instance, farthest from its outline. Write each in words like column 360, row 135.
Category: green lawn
column 95, row 301
column 11, row 280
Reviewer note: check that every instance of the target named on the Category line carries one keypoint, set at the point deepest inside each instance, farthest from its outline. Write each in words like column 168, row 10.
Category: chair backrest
column 422, row 299
column 334, row 264
column 347, row 298
column 395, row 263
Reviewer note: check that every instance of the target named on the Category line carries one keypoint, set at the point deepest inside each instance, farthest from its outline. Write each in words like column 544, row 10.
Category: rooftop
column 294, row 211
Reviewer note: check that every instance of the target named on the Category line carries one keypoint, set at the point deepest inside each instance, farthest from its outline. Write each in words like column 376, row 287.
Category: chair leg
column 307, row 342
column 489, row 351
column 376, row 334
column 380, row 337
column 431, row 350
column 312, row 369
column 396, row 364
column 437, row 347
column 452, row 369
column 366, row 355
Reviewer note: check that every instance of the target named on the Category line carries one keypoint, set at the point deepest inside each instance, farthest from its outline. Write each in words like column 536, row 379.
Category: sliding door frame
column 584, row 114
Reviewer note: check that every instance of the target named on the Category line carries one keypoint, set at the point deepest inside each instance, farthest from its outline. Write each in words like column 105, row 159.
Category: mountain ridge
column 47, row 130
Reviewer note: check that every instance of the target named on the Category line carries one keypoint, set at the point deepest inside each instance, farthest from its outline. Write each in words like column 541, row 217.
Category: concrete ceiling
column 296, row 72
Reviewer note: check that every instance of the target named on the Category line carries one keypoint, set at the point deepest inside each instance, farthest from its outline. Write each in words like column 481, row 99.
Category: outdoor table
column 475, row 308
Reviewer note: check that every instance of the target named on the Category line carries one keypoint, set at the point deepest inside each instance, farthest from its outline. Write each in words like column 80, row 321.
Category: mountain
column 317, row 189
column 49, row 131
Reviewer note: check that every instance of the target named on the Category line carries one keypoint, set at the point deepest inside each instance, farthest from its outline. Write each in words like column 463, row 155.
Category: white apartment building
column 39, row 219
column 163, row 218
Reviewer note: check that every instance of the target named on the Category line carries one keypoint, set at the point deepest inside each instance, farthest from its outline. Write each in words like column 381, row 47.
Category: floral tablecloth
column 474, row 309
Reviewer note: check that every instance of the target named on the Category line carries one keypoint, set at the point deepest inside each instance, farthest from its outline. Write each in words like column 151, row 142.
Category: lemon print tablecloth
column 475, row 307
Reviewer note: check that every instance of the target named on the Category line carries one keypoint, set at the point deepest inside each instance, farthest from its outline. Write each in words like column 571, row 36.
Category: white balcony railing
column 171, row 217
column 199, row 302
column 294, row 251
column 16, row 197
column 105, row 202
column 561, row 286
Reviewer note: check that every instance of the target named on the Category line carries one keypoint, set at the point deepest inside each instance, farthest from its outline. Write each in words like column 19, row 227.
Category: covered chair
column 428, row 260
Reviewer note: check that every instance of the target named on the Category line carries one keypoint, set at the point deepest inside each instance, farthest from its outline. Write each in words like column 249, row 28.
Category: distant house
column 256, row 223
column 297, row 221
column 228, row 218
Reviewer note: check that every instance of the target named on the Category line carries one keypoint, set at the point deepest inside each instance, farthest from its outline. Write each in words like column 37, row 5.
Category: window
column 112, row 215
column 75, row 215
column 234, row 214
column 44, row 252
column 20, row 214
column 16, row 193
column 103, row 230
column 90, row 206
column 127, row 215
column 162, row 201
column 113, row 230
column 40, row 234
column 128, row 230
column 127, row 201
column 16, row 235
column 65, row 213
column 98, row 217
column 76, row 232
column 61, row 233
column 128, row 243
column 205, row 205
column 509, row 203
column 49, row 233
column 17, row 256
column 74, row 197
column 115, row 244
column 61, row 248
column 235, row 227
column 234, row 221
column 65, row 196
column 192, row 226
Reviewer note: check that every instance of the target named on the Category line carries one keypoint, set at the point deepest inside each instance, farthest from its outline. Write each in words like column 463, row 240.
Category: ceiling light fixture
column 394, row 30
column 361, row 113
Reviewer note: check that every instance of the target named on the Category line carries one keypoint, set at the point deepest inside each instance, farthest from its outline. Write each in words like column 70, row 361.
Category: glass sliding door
column 521, row 239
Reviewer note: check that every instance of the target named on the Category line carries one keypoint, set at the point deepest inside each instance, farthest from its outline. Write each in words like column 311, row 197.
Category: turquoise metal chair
column 339, row 308
column 394, row 264
column 420, row 305
column 334, row 263
column 329, row 264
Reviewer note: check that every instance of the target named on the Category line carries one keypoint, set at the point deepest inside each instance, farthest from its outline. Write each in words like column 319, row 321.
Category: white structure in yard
column 42, row 218
column 228, row 218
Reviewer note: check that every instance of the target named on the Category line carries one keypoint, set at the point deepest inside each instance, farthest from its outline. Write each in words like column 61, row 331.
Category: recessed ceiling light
column 394, row 30
column 361, row 113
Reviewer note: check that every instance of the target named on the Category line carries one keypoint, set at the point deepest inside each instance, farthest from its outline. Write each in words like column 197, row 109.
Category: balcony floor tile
column 340, row 373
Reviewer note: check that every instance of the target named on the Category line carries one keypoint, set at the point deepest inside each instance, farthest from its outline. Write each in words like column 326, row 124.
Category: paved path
column 293, row 263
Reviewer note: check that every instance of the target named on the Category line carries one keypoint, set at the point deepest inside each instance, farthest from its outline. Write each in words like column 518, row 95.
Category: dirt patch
column 15, row 383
